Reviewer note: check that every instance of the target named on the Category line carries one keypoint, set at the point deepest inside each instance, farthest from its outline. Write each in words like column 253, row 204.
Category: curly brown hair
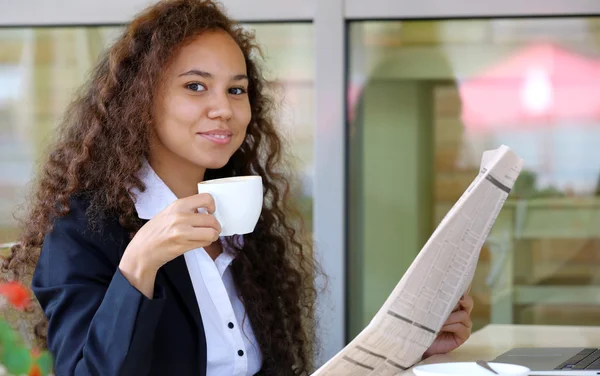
column 103, row 142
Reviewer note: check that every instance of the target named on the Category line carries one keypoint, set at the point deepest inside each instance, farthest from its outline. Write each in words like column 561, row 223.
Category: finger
column 203, row 235
column 456, row 307
column 460, row 331
column 467, row 303
column 201, row 220
column 459, row 317
column 195, row 202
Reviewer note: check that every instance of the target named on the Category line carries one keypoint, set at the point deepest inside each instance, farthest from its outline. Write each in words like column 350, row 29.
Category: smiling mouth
column 217, row 138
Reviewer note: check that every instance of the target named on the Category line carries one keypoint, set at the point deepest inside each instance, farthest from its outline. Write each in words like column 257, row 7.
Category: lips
column 217, row 136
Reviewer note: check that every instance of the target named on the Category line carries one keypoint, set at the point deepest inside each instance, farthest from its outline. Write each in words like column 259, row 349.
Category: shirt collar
column 157, row 197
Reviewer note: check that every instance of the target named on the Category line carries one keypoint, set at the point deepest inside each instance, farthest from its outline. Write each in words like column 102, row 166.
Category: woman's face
column 202, row 108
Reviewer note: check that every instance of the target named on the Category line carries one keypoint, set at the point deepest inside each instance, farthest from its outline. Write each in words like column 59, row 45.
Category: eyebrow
column 196, row 72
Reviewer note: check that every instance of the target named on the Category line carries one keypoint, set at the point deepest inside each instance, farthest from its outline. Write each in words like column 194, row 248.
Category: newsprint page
column 412, row 315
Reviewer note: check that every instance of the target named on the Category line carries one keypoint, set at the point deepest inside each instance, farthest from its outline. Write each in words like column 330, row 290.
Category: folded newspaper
column 411, row 317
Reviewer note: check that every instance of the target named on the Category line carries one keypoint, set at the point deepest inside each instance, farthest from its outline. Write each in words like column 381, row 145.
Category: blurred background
column 388, row 108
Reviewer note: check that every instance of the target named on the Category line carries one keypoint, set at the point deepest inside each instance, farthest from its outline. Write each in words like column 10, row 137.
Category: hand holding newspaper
column 411, row 317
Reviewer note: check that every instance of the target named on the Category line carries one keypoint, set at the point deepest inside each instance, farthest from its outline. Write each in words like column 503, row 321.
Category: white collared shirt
column 230, row 349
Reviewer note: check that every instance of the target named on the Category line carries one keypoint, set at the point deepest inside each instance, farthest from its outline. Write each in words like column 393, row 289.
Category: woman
column 131, row 278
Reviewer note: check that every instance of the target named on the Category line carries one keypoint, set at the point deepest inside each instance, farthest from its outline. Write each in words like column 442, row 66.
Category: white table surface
column 494, row 340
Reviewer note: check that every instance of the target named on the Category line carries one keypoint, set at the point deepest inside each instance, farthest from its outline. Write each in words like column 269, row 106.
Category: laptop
column 568, row 361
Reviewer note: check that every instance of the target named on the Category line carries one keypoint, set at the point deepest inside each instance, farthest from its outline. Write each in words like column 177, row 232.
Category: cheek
column 243, row 116
column 180, row 114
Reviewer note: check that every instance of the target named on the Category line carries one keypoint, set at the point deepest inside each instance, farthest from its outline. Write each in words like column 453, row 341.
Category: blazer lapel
column 177, row 274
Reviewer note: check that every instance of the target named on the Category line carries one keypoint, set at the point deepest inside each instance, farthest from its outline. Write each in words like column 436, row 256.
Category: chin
column 213, row 164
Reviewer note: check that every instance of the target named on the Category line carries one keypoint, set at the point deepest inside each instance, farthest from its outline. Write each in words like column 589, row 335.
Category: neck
column 181, row 176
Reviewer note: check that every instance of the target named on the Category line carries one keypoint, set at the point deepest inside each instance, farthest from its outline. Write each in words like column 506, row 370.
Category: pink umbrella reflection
column 543, row 83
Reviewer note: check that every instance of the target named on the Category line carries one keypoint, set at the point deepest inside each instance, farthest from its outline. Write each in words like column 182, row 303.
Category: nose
column 220, row 107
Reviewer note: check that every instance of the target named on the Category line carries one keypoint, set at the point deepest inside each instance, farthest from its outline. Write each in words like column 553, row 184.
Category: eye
column 196, row 86
column 237, row 91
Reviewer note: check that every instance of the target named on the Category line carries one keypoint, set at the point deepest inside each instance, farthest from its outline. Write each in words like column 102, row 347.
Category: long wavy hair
column 103, row 141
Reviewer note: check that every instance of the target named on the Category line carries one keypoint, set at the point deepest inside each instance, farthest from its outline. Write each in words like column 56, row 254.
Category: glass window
column 425, row 99
column 288, row 49
column 40, row 68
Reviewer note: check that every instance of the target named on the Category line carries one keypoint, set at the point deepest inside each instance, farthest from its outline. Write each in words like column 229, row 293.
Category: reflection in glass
column 425, row 99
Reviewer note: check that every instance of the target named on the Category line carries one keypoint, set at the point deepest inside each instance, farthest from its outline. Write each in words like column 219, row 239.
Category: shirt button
column 240, row 353
column 230, row 325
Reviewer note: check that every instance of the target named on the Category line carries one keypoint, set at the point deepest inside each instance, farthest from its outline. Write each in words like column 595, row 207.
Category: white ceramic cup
column 238, row 202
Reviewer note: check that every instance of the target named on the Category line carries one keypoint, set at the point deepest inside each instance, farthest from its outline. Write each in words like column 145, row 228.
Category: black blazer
column 99, row 324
